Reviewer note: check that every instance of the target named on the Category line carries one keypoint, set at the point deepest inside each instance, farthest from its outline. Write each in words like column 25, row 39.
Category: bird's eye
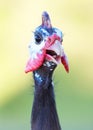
column 38, row 38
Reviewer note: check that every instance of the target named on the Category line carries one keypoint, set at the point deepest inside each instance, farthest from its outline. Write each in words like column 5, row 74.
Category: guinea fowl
column 46, row 52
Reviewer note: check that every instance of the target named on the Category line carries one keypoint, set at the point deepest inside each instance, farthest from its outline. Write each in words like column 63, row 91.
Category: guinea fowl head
column 46, row 47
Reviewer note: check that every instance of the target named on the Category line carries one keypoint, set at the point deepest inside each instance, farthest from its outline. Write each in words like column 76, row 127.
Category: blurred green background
column 73, row 91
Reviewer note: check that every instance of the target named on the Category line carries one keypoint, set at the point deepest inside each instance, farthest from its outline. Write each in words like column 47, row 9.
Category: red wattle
column 35, row 63
column 65, row 63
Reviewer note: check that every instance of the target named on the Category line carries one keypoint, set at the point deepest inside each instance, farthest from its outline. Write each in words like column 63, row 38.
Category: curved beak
column 55, row 51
